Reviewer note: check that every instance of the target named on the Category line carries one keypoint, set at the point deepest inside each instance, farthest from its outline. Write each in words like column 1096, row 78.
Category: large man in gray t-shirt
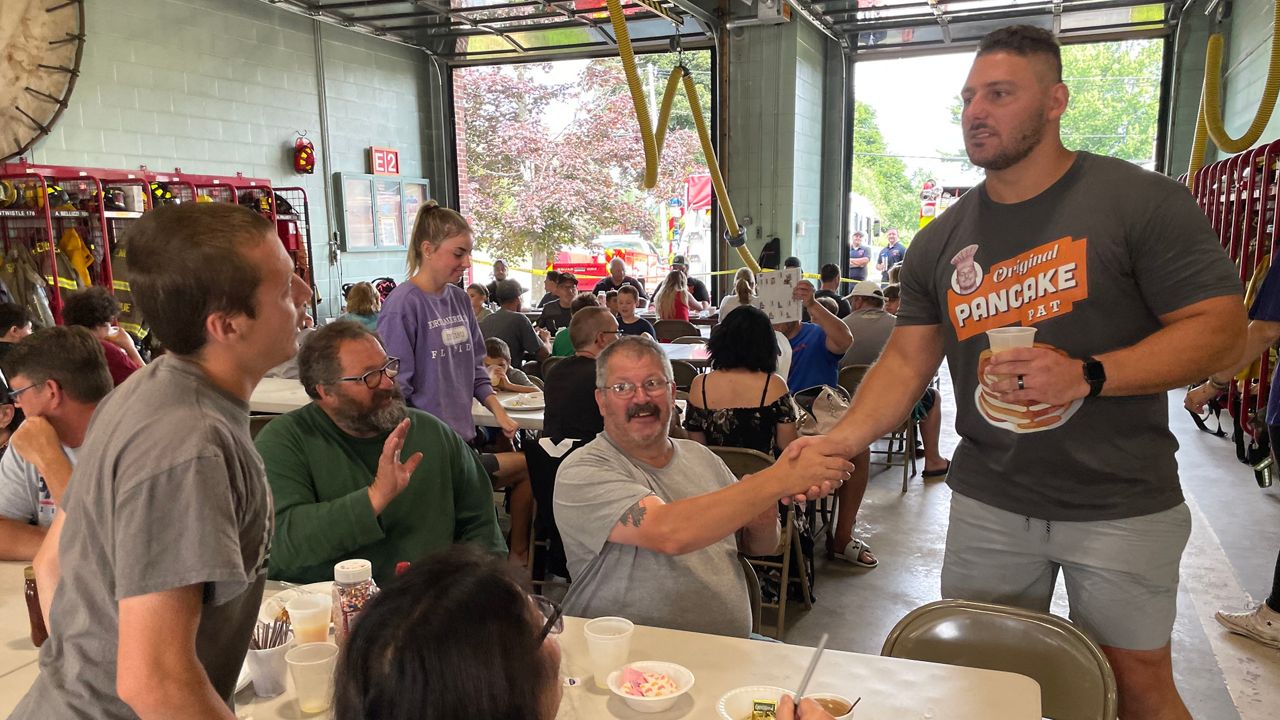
column 1066, row 463
column 167, row 525
column 652, row 526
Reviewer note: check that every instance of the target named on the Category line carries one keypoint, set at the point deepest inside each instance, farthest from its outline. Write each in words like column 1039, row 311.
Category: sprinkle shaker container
column 353, row 588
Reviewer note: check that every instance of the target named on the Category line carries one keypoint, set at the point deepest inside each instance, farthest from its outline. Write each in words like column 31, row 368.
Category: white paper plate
column 272, row 605
column 524, row 401
column 243, row 681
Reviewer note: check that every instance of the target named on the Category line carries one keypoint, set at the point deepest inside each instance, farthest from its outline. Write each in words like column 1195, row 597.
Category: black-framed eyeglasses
column 373, row 378
column 553, row 613
column 13, row 394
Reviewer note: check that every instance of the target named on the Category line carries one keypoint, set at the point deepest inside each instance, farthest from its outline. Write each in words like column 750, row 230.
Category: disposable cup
column 311, row 666
column 268, row 669
column 309, row 613
column 608, row 644
column 1008, row 338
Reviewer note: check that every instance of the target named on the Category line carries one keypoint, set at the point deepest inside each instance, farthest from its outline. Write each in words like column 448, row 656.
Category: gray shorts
column 1121, row 575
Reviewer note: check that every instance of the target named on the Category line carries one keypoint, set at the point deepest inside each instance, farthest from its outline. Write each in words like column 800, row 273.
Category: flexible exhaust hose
column 1210, row 117
column 653, row 144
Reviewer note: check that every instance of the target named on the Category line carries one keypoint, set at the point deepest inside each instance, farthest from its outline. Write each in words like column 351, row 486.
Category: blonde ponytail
column 434, row 225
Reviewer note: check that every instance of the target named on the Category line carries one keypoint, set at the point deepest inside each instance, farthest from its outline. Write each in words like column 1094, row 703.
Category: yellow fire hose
column 653, row 144
column 1209, row 120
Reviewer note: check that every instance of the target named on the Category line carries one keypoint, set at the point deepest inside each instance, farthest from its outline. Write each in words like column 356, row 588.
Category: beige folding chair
column 548, row 363
column 851, row 376
column 742, row 461
column 689, row 340
column 537, row 381
column 669, row 330
column 1076, row 681
column 684, row 373
column 753, row 591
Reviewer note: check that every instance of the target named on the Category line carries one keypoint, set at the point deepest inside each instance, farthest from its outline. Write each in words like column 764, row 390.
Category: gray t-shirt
column 1091, row 263
column 871, row 328
column 516, row 331
column 702, row 591
column 168, row 492
column 24, row 495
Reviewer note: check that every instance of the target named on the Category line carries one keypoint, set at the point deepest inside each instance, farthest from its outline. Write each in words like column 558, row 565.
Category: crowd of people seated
column 153, row 519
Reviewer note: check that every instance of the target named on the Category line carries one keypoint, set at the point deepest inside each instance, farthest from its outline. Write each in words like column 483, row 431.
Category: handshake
column 810, row 468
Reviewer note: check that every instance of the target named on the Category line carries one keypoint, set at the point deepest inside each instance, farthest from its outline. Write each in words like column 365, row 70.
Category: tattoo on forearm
column 634, row 515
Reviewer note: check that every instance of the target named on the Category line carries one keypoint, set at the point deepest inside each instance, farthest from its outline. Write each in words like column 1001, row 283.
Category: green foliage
column 880, row 178
column 1115, row 98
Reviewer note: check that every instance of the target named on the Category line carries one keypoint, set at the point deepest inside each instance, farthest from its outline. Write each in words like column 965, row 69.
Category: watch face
column 42, row 42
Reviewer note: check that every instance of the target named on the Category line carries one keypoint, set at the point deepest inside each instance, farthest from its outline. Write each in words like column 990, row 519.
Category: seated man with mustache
column 652, row 526
column 347, row 470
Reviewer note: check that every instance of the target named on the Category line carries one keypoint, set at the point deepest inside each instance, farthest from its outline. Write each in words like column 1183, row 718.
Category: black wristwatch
column 1094, row 374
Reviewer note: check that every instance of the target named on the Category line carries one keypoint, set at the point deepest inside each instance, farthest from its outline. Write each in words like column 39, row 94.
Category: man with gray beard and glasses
column 356, row 473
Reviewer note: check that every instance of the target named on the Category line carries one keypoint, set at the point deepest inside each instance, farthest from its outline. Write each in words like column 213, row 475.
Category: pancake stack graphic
column 1014, row 416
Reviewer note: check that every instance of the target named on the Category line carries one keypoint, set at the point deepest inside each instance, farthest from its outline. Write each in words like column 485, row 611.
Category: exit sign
column 384, row 161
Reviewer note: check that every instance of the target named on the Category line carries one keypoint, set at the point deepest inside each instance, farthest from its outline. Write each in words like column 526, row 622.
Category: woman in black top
column 744, row 358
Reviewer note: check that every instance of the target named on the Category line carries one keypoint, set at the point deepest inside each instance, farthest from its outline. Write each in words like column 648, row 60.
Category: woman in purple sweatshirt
column 428, row 323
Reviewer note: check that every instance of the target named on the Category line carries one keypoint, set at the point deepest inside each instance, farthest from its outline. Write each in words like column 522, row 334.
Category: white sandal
column 853, row 553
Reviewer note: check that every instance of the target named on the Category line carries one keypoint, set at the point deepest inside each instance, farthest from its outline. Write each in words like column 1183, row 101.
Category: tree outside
column 546, row 164
column 880, row 176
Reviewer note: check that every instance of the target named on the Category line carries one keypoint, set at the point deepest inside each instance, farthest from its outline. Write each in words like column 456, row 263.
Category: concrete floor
column 1228, row 563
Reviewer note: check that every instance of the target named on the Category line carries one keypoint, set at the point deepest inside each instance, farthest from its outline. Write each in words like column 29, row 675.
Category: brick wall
column 220, row 86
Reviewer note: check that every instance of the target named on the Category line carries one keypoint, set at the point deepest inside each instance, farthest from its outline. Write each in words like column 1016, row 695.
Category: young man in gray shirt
column 651, row 525
column 1066, row 462
column 167, row 521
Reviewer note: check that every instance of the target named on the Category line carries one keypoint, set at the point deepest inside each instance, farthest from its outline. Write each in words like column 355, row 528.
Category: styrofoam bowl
column 679, row 673
column 736, row 704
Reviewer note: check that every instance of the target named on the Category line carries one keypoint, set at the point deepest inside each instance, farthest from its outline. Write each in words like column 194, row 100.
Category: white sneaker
column 1261, row 624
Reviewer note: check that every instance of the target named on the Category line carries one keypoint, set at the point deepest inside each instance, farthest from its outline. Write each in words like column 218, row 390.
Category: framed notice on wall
column 376, row 212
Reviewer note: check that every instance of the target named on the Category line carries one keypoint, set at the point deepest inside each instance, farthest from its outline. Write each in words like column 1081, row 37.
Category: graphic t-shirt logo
column 1042, row 283
column 1039, row 284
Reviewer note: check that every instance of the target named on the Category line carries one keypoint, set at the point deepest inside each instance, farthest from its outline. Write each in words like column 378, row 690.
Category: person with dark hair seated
column 454, row 637
column 549, row 283
column 15, row 324
column 96, row 309
column 829, row 276
column 722, row 403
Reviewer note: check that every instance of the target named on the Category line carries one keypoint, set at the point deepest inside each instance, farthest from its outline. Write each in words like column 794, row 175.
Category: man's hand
column 393, row 475
column 509, row 426
column 1197, row 397
column 809, row 473
column 1047, row 377
column 804, row 293
column 808, row 710
column 542, row 334
column 120, row 338
column 37, row 442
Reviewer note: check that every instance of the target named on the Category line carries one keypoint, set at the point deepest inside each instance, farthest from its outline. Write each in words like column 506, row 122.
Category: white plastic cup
column 312, row 666
column 1008, row 338
column 608, row 644
column 309, row 614
column 268, row 669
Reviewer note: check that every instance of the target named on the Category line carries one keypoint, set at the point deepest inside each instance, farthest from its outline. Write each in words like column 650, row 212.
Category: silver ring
column 1021, row 386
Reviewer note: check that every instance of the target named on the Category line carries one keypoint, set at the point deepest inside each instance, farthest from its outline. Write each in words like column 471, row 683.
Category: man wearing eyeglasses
column 59, row 375
column 652, row 526
column 347, row 472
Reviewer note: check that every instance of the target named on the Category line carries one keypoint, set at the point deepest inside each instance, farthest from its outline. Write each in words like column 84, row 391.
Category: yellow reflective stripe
column 121, row 285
